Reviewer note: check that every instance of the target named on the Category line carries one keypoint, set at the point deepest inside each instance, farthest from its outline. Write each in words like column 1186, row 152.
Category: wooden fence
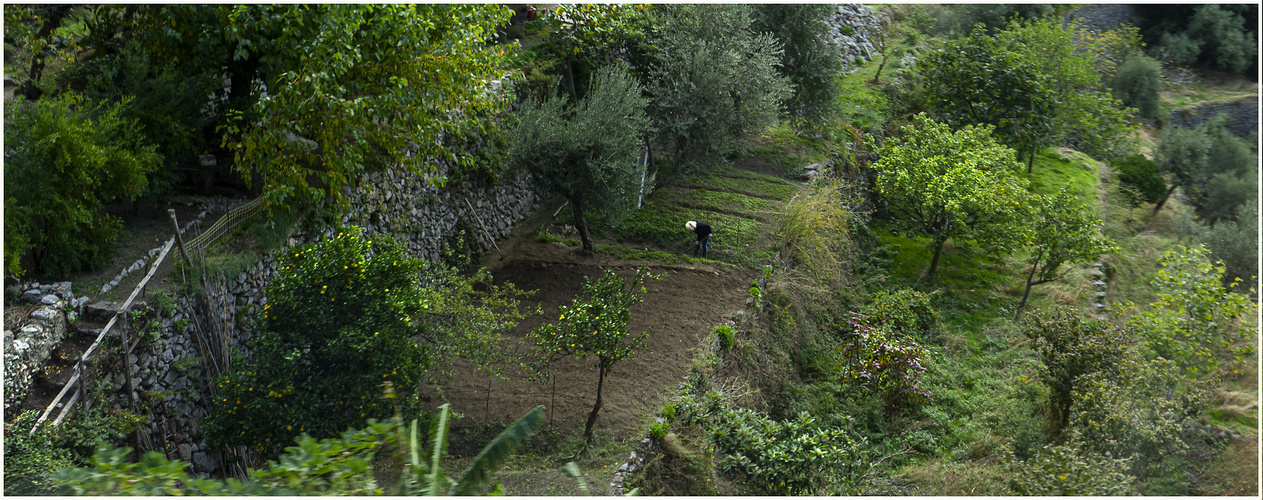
column 223, row 226
column 219, row 229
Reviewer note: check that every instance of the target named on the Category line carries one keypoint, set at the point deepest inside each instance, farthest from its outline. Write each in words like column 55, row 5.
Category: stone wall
column 171, row 384
column 858, row 45
column 1102, row 17
column 1243, row 115
column 28, row 348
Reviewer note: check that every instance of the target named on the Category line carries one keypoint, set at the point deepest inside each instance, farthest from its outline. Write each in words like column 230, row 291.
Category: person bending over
column 703, row 231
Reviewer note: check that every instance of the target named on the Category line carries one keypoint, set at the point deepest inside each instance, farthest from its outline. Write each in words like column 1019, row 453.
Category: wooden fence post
column 178, row 239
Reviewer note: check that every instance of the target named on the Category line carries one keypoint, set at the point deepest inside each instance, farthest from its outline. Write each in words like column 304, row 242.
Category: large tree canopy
column 949, row 184
column 1031, row 83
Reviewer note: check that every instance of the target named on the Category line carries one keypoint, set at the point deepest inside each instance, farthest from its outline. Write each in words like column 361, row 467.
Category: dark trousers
column 703, row 244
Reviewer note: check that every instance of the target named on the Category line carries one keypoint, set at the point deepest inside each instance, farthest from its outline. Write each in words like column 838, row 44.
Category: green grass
column 722, row 201
column 785, row 147
column 767, row 187
column 1051, row 173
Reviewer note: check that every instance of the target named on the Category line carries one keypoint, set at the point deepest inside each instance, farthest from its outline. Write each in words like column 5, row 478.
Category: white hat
column 690, row 225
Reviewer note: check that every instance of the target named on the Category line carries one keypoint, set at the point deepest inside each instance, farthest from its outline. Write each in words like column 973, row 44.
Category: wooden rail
column 76, row 380
column 223, row 226
column 219, row 229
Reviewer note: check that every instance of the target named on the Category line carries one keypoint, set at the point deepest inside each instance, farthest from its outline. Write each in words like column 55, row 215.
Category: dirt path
column 677, row 312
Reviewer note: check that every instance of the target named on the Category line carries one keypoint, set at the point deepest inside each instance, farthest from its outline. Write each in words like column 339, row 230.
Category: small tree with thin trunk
column 949, row 184
column 594, row 324
column 587, row 152
column 1061, row 232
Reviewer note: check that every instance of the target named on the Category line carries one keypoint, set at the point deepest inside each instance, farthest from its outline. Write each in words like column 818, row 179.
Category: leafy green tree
column 1071, row 348
column 588, row 151
column 794, row 457
column 806, row 59
column 1182, row 154
column 349, row 87
column 1219, row 37
column 68, row 157
column 1223, row 38
column 37, row 39
column 584, row 37
column 713, row 81
column 346, row 465
column 951, row 185
column 1032, row 83
column 1138, row 413
column 1142, row 178
column 977, row 80
column 594, row 324
column 1230, row 176
column 1137, row 84
column 1195, row 320
column 1061, row 232
column 345, row 315
column 1237, row 244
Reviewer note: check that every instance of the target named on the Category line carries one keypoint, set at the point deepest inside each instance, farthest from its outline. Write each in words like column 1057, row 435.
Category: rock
column 1098, row 283
column 186, row 451
column 106, row 287
column 203, row 462
column 170, row 377
column 33, row 295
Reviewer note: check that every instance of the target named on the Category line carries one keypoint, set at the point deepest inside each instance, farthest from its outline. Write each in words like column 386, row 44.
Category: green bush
column 1072, row 348
column 725, row 334
column 904, row 312
column 67, row 158
column 1137, row 413
column 1068, row 471
column 344, row 316
column 1137, row 84
column 1142, row 177
column 795, row 457
column 883, row 361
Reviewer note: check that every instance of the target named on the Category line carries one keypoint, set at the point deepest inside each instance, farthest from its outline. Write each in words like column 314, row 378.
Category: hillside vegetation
column 976, row 261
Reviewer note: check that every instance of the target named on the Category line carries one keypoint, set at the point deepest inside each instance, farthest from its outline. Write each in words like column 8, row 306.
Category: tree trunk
column 938, row 250
column 581, row 225
column 1018, row 314
column 1158, row 207
column 587, row 428
column 31, row 89
column 1030, row 161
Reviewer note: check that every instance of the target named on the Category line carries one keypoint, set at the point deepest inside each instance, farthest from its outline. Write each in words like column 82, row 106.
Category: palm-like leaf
column 437, row 481
column 476, row 478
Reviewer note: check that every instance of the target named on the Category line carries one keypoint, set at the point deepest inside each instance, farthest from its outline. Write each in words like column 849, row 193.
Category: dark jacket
column 703, row 230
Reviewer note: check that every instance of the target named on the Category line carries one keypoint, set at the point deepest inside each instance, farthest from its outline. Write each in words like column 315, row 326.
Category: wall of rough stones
column 28, row 348
column 1243, row 115
column 857, row 46
column 391, row 202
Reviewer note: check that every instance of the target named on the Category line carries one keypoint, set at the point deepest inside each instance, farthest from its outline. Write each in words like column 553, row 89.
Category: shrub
column 66, row 158
column 1137, row 413
column 1066, row 470
column 1142, row 177
column 725, row 334
column 795, row 457
column 344, row 316
column 1071, row 349
column 1137, row 84
column 883, row 361
column 903, row 312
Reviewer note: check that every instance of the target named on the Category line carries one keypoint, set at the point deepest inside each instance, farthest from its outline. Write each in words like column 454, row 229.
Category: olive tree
column 713, row 81
column 587, row 152
column 806, row 58
column 952, row 184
